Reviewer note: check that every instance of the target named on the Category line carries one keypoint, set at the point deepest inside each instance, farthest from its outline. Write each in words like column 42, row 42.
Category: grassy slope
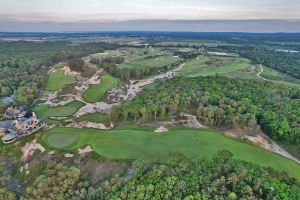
column 44, row 111
column 132, row 143
column 96, row 92
column 211, row 65
column 161, row 61
column 272, row 74
column 93, row 117
column 58, row 80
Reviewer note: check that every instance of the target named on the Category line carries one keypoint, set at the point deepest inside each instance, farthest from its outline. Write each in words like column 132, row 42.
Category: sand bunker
column 30, row 148
column 69, row 155
column 86, row 124
column 87, row 149
column 161, row 129
column 190, row 121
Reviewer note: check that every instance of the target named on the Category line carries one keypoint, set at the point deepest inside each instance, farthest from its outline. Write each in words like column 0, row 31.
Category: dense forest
column 218, row 102
column 24, row 65
column 221, row 177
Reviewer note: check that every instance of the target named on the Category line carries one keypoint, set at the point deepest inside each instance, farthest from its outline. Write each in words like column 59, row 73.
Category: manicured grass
column 93, row 117
column 62, row 140
column 160, row 61
column 134, row 143
column 58, row 66
column 211, row 65
column 96, row 92
column 58, row 80
column 44, row 111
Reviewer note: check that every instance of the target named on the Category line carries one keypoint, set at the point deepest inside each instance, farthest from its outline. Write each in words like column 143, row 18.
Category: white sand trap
column 51, row 152
column 30, row 147
column 69, row 155
column 92, row 108
column 86, row 124
column 87, row 149
column 161, row 129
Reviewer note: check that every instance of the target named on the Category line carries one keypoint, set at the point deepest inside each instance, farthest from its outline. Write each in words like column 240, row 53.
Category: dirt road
column 259, row 73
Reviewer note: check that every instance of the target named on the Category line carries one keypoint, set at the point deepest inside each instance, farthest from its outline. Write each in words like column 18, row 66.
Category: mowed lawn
column 58, row 80
column 96, row 92
column 211, row 65
column 134, row 143
column 160, row 61
column 93, row 117
column 44, row 111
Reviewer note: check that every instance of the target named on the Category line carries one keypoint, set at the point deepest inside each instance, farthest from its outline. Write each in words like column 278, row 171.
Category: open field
column 131, row 54
column 58, row 80
column 192, row 43
column 142, row 57
column 133, row 142
column 93, row 117
column 96, row 92
column 159, row 61
column 272, row 74
column 44, row 111
column 211, row 65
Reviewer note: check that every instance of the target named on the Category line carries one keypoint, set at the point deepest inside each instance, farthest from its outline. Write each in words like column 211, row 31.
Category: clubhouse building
column 25, row 123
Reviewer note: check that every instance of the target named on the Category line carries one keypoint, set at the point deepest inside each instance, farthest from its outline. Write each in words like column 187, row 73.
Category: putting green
column 62, row 140
column 134, row 143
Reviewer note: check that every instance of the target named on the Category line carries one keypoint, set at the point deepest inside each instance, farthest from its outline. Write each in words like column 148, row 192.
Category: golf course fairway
column 131, row 142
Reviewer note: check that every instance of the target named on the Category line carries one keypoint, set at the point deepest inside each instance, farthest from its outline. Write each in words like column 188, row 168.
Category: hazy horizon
column 155, row 15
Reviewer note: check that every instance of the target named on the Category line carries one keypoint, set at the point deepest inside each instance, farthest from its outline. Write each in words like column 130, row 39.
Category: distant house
column 25, row 124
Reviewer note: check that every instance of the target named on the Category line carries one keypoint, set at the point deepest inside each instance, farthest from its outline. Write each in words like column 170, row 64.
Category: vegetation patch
column 150, row 62
column 275, row 75
column 44, row 111
column 133, row 143
column 96, row 92
column 58, row 80
column 211, row 65
column 93, row 117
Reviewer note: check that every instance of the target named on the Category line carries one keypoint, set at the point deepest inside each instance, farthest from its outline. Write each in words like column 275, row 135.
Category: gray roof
column 8, row 137
column 6, row 124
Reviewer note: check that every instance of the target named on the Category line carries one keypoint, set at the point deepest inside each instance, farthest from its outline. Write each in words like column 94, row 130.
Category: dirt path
column 259, row 73
column 261, row 140
column 281, row 151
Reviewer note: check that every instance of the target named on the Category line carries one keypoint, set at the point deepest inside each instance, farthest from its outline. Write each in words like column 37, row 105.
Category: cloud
column 97, row 10
column 158, row 25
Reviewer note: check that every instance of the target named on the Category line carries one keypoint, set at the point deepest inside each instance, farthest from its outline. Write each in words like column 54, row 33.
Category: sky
column 18, row 15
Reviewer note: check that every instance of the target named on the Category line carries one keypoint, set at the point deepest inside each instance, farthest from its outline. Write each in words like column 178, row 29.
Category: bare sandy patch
column 261, row 140
column 86, row 124
column 87, row 149
column 161, row 129
column 69, row 155
column 30, row 148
